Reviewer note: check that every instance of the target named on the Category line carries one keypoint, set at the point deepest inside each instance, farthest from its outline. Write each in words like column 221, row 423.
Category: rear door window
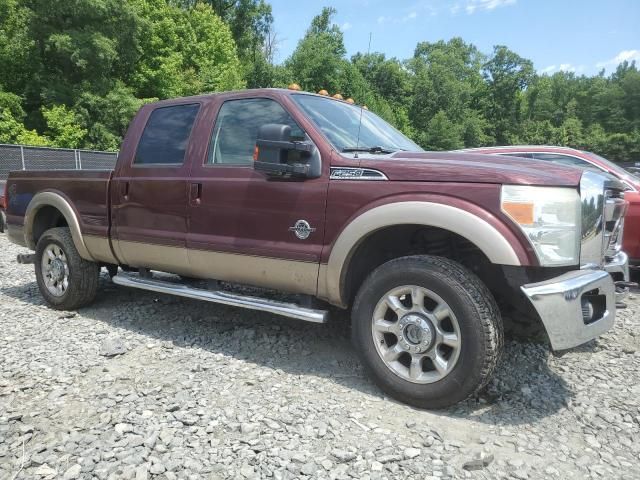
column 166, row 135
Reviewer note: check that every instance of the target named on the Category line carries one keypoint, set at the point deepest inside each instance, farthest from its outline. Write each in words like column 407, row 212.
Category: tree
column 318, row 60
column 12, row 129
column 75, row 72
column 62, row 127
column 442, row 134
column 101, row 59
column 507, row 75
column 184, row 53
column 446, row 78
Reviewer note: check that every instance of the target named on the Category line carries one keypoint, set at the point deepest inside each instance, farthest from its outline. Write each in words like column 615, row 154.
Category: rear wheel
column 427, row 330
column 66, row 280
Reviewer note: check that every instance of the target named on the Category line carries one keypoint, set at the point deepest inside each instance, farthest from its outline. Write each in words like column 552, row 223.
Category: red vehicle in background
column 587, row 161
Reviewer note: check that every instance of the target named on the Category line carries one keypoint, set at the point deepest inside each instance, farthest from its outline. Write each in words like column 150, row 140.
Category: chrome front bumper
column 560, row 303
column 618, row 267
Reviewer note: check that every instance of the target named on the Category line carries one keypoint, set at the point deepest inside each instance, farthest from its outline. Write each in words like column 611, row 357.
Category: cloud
column 345, row 26
column 568, row 67
column 623, row 56
column 473, row 6
column 455, row 8
column 408, row 17
column 563, row 67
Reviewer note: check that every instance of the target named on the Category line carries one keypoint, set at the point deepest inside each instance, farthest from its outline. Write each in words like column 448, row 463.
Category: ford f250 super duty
column 316, row 197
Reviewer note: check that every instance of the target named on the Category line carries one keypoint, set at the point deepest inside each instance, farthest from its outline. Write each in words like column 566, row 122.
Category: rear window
column 165, row 137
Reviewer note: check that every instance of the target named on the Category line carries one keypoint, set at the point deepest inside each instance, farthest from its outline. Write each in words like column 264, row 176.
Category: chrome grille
column 603, row 209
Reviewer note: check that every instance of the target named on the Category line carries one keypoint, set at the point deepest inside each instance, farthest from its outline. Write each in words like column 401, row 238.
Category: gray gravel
column 142, row 386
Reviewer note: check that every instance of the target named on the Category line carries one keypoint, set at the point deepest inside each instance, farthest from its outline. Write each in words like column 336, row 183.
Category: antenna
column 362, row 106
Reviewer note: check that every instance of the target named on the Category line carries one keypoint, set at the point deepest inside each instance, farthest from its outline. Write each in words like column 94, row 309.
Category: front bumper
column 560, row 303
column 618, row 268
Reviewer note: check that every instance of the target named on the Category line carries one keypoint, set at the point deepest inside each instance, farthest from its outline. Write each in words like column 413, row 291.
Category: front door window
column 236, row 130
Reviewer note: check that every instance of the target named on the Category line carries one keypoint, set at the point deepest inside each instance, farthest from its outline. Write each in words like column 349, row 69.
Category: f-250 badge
column 302, row 229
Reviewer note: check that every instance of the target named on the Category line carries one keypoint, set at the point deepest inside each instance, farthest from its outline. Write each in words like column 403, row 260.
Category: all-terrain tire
column 476, row 312
column 82, row 274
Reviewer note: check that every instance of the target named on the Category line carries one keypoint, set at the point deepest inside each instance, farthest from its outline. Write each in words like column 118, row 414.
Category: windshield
column 340, row 123
column 616, row 168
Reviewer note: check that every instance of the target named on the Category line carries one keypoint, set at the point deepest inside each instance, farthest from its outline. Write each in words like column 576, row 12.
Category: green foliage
column 12, row 129
column 75, row 72
column 62, row 127
column 507, row 76
column 81, row 69
column 318, row 61
column 184, row 52
column 442, row 133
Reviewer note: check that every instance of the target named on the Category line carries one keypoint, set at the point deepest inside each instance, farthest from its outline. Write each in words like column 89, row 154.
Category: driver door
column 241, row 226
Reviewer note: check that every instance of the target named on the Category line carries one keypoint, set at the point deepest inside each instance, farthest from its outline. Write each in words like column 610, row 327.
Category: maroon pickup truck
column 316, row 197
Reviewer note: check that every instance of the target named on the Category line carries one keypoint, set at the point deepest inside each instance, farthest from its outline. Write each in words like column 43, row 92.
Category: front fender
column 498, row 244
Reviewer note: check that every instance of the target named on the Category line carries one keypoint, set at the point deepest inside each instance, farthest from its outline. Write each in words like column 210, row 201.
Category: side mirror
column 276, row 155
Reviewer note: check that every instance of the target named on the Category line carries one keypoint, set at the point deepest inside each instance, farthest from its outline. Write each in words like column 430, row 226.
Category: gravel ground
column 196, row 390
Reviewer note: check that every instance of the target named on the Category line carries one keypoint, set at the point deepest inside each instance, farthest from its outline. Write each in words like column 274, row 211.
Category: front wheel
column 428, row 330
column 66, row 280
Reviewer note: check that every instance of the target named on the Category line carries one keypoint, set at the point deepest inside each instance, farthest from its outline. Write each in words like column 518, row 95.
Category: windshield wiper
column 376, row 149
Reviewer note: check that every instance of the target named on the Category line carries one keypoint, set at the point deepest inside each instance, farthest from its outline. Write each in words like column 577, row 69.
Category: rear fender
column 52, row 199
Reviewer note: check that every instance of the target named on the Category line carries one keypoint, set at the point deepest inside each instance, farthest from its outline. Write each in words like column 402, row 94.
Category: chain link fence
column 20, row 157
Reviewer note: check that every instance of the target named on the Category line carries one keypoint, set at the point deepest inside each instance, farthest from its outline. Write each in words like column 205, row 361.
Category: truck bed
column 86, row 191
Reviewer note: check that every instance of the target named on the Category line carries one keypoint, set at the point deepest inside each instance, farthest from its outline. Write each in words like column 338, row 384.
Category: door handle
column 195, row 193
column 124, row 190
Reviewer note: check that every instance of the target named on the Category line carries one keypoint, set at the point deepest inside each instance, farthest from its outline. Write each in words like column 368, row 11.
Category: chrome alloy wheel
column 416, row 334
column 55, row 270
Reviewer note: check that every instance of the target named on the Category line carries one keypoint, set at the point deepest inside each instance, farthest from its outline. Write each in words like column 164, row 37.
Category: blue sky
column 573, row 35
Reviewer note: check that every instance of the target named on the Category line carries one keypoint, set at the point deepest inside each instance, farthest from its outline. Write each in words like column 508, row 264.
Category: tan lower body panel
column 323, row 290
column 279, row 274
column 99, row 248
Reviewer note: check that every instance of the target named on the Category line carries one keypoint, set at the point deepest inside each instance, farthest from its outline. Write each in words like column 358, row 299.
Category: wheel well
column 403, row 240
column 47, row 217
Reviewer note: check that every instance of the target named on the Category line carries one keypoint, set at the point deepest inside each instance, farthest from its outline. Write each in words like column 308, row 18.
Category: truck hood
column 471, row 168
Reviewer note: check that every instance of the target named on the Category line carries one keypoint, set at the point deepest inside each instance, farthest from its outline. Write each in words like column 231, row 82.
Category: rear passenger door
column 149, row 192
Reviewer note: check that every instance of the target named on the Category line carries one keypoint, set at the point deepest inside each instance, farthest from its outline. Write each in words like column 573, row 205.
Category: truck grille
column 603, row 209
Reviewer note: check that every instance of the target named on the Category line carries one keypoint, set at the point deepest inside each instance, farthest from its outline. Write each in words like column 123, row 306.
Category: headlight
column 550, row 218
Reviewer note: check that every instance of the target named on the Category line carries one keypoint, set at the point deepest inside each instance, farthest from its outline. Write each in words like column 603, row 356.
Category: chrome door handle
column 195, row 193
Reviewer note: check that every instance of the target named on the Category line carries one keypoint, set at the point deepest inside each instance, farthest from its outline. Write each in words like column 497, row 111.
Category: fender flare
column 55, row 200
column 468, row 225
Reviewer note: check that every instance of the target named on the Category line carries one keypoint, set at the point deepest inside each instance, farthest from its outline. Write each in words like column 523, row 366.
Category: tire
column 62, row 258
column 457, row 326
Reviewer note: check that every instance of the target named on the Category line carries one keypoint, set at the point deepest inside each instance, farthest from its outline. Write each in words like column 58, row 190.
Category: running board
column 290, row 310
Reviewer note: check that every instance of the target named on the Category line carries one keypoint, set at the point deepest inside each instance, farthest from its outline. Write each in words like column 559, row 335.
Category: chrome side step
column 290, row 310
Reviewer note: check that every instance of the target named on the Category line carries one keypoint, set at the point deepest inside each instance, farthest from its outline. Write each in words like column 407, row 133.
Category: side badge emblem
column 302, row 229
